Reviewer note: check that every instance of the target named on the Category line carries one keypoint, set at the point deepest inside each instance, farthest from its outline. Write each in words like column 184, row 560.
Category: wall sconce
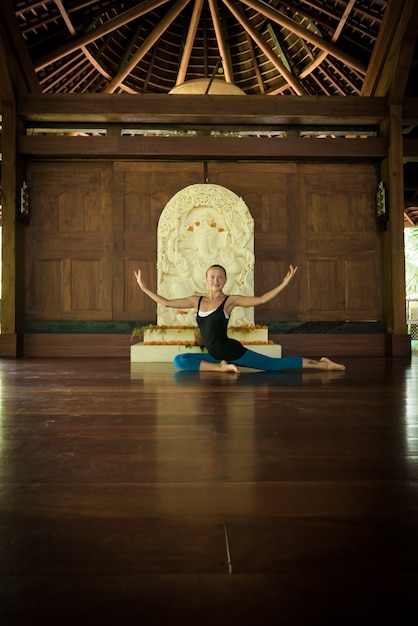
column 381, row 206
column 23, row 211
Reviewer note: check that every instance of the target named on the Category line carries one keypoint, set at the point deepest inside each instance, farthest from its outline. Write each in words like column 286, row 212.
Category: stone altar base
column 141, row 353
column 162, row 344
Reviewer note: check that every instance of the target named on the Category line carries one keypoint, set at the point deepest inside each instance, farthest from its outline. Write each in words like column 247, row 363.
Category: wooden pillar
column 393, row 238
column 10, row 340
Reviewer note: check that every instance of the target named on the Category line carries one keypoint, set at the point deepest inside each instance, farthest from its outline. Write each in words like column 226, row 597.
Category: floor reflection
column 256, row 378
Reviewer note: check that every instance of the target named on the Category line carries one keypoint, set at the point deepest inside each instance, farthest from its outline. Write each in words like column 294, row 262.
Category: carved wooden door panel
column 94, row 223
column 69, row 242
column 321, row 217
column 140, row 193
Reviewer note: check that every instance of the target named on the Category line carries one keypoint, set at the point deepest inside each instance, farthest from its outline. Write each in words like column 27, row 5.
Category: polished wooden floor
column 134, row 494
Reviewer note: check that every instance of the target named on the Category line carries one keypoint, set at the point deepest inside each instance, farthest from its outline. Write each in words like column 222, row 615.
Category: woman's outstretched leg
column 273, row 364
column 196, row 362
column 259, row 361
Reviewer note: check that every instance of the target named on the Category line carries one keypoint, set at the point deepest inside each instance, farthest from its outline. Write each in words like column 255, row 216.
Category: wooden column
column 8, row 337
column 393, row 238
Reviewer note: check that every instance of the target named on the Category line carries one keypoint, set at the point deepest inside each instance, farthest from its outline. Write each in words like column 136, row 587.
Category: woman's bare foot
column 223, row 366
column 330, row 365
column 228, row 367
column 322, row 364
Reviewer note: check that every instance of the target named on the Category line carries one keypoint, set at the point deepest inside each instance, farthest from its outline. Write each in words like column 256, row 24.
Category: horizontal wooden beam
column 202, row 148
column 192, row 110
column 70, row 345
column 76, row 345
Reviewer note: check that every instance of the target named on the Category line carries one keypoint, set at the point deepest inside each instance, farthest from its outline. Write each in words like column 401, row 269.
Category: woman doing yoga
column 213, row 312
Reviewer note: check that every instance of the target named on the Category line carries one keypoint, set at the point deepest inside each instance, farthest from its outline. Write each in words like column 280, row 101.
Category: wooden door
column 69, row 259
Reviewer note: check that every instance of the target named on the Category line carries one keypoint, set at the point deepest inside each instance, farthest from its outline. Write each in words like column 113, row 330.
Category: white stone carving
column 202, row 225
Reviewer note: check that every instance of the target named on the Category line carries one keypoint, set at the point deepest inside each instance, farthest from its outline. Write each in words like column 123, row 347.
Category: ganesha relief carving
column 202, row 225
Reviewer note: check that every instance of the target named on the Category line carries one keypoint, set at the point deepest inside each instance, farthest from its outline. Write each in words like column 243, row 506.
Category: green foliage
column 411, row 261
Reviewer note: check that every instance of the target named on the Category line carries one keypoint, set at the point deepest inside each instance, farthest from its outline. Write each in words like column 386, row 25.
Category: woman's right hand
column 139, row 279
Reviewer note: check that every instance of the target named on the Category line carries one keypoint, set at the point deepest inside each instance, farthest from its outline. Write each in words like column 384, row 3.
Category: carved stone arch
column 202, row 225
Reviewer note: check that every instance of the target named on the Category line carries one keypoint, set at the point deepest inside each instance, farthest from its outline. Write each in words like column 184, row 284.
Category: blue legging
column 255, row 360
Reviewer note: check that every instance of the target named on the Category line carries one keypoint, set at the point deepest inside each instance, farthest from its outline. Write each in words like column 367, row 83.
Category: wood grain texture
column 134, row 493
column 93, row 226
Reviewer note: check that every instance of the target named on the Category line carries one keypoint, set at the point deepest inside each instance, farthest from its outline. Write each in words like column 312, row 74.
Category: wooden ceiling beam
column 76, row 43
column 255, row 64
column 392, row 56
column 17, row 74
column 188, row 47
column 292, row 81
column 223, row 48
column 202, row 148
column 305, row 33
column 154, row 36
column 190, row 110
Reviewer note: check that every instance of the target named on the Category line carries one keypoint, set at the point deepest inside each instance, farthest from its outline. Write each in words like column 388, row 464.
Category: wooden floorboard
column 135, row 494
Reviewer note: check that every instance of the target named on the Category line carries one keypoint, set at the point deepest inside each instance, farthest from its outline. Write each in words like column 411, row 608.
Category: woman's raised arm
column 188, row 302
column 245, row 301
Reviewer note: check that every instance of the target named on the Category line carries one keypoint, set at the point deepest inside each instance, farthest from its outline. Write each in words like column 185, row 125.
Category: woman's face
column 215, row 277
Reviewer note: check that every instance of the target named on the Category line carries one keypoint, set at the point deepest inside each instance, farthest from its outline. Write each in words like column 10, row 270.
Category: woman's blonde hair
column 220, row 267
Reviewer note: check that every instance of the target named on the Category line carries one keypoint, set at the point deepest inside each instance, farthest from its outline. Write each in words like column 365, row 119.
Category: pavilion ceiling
column 297, row 47
column 266, row 47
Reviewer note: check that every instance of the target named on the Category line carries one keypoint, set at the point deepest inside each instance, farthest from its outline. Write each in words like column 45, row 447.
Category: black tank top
column 214, row 330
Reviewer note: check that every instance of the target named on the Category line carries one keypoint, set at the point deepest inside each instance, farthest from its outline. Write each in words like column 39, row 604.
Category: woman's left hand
column 292, row 271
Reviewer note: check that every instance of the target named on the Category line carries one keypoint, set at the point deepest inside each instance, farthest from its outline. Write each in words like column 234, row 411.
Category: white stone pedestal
column 141, row 353
column 162, row 344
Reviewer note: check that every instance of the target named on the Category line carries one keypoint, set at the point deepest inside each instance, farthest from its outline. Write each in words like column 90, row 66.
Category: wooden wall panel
column 93, row 224
column 86, row 286
column 268, row 274
column 68, row 242
column 325, row 289
column 46, row 291
column 343, row 247
column 320, row 217
column 270, row 191
column 140, row 193
column 359, row 296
